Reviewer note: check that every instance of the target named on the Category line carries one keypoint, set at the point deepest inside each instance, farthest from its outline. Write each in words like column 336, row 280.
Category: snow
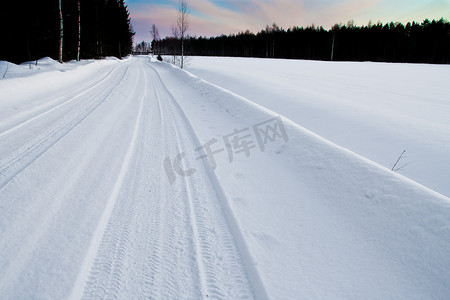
column 94, row 202
column 46, row 64
column 374, row 109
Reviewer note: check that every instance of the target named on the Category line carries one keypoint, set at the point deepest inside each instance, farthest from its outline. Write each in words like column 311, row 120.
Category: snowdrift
column 42, row 65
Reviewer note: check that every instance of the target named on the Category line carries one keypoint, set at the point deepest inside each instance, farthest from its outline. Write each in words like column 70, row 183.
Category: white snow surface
column 93, row 204
column 374, row 109
column 46, row 64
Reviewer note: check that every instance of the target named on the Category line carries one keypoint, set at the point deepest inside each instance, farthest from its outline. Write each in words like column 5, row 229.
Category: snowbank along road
column 133, row 179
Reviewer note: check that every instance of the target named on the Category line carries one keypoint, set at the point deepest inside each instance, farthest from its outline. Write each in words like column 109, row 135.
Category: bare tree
column 183, row 25
column 155, row 34
column 79, row 32
column 174, row 47
column 332, row 46
column 334, row 30
column 61, row 33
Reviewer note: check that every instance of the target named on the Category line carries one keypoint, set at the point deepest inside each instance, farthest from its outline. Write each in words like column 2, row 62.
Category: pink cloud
column 209, row 19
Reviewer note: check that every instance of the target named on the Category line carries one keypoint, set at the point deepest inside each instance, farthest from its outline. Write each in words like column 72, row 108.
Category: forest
column 30, row 30
column 426, row 42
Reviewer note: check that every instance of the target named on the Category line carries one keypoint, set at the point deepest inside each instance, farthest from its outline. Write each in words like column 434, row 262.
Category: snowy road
column 103, row 195
column 60, row 185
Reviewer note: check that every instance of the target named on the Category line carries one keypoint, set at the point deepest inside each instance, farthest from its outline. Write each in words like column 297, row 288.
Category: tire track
column 24, row 158
column 27, row 243
column 178, row 274
column 165, row 234
column 147, row 243
column 191, row 216
column 156, row 240
column 222, row 271
column 157, row 211
column 104, row 223
column 77, row 93
column 119, row 262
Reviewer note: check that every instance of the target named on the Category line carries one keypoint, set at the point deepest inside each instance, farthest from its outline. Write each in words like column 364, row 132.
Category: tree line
column 426, row 42
column 66, row 29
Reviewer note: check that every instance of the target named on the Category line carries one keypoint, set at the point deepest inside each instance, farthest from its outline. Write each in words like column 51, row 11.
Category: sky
column 215, row 17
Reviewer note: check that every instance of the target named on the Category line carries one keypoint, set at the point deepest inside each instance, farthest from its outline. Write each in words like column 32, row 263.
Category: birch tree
column 79, row 32
column 176, row 35
column 61, row 34
column 183, row 25
column 155, row 34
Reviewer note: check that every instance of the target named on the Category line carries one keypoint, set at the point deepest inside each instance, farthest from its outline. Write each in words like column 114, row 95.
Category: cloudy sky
column 216, row 17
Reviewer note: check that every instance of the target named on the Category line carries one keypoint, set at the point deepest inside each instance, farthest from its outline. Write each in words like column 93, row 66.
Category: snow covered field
column 133, row 179
column 374, row 109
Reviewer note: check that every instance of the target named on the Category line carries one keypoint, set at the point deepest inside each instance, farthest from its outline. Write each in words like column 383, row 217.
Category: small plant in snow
column 395, row 168
column 6, row 71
